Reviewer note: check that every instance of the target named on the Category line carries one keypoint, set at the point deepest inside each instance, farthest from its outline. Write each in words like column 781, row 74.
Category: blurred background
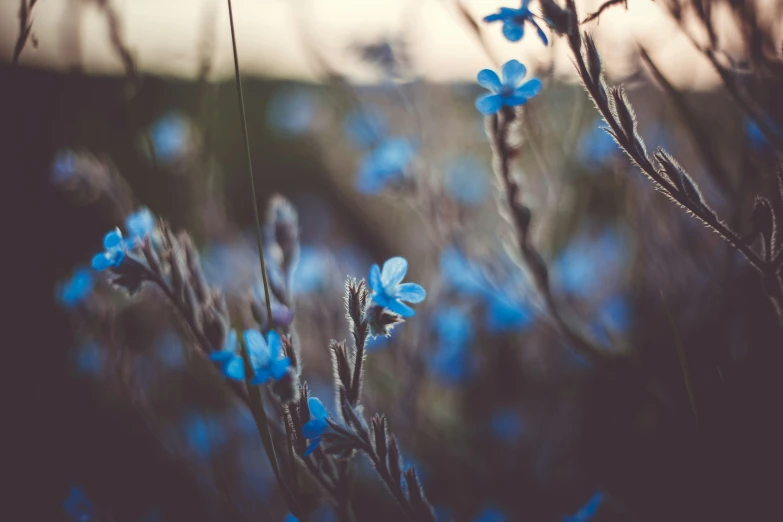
column 361, row 114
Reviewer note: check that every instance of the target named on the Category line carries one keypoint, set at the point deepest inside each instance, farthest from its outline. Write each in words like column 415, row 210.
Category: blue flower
column 290, row 518
column 386, row 163
column 459, row 272
column 596, row 146
column 140, row 224
column 587, row 511
column 366, row 127
column 63, row 166
column 89, row 359
column 78, row 507
column 114, row 251
column 203, row 434
column 76, row 289
column 451, row 361
column 310, row 275
column 169, row 137
column 507, row 425
column 316, row 426
column 466, row 180
column 389, row 291
column 505, row 313
column 583, row 266
column 266, row 357
column 514, row 22
column 292, row 112
column 511, row 92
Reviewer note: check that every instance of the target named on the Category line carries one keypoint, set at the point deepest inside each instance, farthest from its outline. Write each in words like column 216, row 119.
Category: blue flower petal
column 102, row 261
column 494, row 17
column 540, row 31
column 257, row 348
column 274, row 343
column 140, row 224
column 113, row 240
column 221, row 356
column 513, row 31
column 513, row 73
column 313, row 445
column 400, row 308
column 489, row 104
column 411, row 293
column 529, row 89
column 381, row 299
column 394, row 271
column 489, row 80
column 234, row 368
column 375, row 279
column 314, row 428
column 279, row 367
column 317, row 408
column 262, row 375
column 515, row 101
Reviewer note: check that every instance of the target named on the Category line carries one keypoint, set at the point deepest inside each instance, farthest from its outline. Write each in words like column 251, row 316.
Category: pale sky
column 285, row 38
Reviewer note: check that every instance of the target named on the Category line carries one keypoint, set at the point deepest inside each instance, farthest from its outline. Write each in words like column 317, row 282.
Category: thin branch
column 606, row 5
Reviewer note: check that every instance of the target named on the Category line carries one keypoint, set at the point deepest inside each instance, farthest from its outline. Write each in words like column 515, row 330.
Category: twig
column 25, row 27
column 606, row 5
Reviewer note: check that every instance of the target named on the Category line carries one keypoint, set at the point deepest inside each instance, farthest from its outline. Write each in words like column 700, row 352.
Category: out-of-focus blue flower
column 507, row 425
column 78, row 507
column 511, row 92
column 310, row 273
column 170, row 137
column 77, row 288
column 466, row 180
column 582, row 267
column 290, row 518
column 615, row 313
column 266, row 357
column 203, row 434
column 588, row 511
column 491, row 514
column 292, row 112
column 514, row 22
column 460, row 273
column 316, row 426
column 170, row 350
column 596, row 146
column 63, row 166
column 386, row 163
column 453, row 325
column 389, row 291
column 366, row 127
column 506, row 314
column 114, row 251
column 451, row 361
column 140, row 224
column 89, row 359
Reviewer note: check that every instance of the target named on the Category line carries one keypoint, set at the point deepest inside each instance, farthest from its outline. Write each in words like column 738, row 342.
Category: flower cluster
column 267, row 357
column 139, row 226
column 387, row 159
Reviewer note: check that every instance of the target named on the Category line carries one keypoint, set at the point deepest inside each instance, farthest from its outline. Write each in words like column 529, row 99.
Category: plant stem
column 241, row 97
column 254, row 392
